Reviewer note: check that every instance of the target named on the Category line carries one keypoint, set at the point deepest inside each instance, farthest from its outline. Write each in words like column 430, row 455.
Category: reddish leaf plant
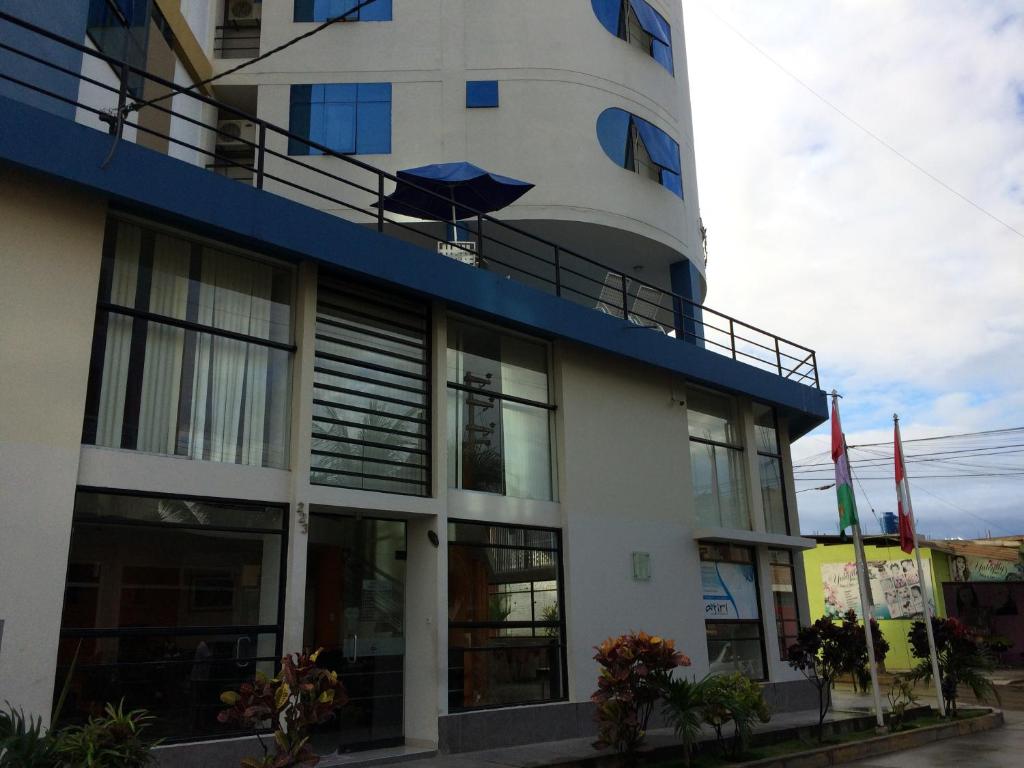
column 634, row 671
column 301, row 696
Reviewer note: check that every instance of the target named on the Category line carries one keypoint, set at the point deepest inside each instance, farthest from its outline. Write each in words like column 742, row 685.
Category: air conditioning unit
column 236, row 134
column 244, row 11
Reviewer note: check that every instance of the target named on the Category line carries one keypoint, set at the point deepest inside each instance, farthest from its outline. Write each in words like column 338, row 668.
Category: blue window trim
column 614, row 126
column 322, row 10
column 350, row 118
column 481, row 94
column 611, row 15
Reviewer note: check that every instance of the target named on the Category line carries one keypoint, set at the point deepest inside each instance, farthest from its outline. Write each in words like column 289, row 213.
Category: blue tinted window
column 614, row 129
column 349, row 118
column 617, row 16
column 482, row 93
column 322, row 10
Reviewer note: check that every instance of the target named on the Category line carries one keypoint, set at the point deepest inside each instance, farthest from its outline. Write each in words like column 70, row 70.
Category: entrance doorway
column 355, row 606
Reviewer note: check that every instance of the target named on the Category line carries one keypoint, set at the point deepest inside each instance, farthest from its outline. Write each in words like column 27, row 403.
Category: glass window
column 348, row 118
column 639, row 146
column 120, row 29
column 717, row 461
column 166, row 610
column 191, row 351
column 505, row 626
column 499, row 413
column 769, row 460
column 371, row 391
column 481, row 93
column 787, row 614
column 636, row 22
column 732, row 611
column 322, row 10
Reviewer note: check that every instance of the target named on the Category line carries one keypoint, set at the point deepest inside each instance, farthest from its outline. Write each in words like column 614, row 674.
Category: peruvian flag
column 903, row 497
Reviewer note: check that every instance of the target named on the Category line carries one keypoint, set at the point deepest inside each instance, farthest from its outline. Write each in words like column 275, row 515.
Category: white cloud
column 913, row 299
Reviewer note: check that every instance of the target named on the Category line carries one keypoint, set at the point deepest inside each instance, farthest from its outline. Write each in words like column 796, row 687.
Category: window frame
column 550, row 407
column 306, row 146
column 560, row 625
column 276, row 629
column 348, row 20
column 740, row 448
column 777, row 456
column 141, row 319
column 779, row 622
column 753, row 562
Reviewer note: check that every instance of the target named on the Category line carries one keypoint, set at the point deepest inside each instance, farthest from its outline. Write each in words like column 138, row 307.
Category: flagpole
column 866, row 606
column 936, row 677
column 848, row 505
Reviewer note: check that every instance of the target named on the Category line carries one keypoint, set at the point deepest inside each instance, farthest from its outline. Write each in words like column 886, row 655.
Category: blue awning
column 652, row 22
column 662, row 148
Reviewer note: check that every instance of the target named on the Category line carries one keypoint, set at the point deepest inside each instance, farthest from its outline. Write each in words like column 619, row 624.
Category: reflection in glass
column 167, row 616
column 787, row 617
column 735, row 647
column 772, row 494
column 719, row 486
column 505, row 623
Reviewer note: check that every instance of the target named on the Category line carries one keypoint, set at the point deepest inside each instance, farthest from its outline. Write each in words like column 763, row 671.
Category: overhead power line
column 135, row 106
column 917, row 166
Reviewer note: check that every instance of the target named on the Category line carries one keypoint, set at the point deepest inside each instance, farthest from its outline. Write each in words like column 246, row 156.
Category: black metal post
column 624, row 296
column 479, row 237
column 558, row 271
column 778, row 355
column 261, row 155
column 814, row 362
column 122, row 99
column 732, row 338
column 380, row 202
column 678, row 318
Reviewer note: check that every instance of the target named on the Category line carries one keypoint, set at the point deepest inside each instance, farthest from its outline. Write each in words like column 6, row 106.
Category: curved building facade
column 549, row 71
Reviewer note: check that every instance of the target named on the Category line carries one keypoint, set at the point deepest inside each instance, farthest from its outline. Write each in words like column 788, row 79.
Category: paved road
column 1001, row 748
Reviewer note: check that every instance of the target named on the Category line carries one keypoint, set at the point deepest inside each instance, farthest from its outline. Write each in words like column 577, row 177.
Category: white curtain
column 229, row 384
column 161, row 377
column 110, row 416
column 526, row 441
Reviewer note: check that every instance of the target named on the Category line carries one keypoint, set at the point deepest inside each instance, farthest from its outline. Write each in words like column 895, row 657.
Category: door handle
column 355, row 648
column 238, row 652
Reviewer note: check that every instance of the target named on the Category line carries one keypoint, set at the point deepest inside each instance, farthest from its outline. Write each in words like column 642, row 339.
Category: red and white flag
column 903, row 497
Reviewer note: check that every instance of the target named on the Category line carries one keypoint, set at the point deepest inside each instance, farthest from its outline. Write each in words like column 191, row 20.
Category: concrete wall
column 50, row 259
column 895, row 631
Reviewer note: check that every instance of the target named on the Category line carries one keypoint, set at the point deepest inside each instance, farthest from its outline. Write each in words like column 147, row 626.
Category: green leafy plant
column 855, row 647
column 964, row 659
column 301, row 696
column 115, row 739
column 901, row 697
column 24, row 742
column 737, row 699
column 819, row 654
column 683, row 709
column 633, row 677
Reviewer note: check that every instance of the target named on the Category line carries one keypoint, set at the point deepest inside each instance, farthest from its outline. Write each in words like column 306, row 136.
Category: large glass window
column 769, row 462
column 636, row 22
column 120, row 29
column 499, row 413
column 639, row 146
column 169, row 602
column 348, row 118
column 322, row 10
column 732, row 609
column 371, row 391
column 506, row 631
column 717, row 461
column 787, row 614
column 191, row 352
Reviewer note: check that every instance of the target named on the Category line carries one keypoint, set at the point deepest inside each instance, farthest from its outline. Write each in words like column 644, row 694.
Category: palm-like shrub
column 733, row 699
column 116, row 739
column 683, row 709
column 963, row 659
column 24, row 742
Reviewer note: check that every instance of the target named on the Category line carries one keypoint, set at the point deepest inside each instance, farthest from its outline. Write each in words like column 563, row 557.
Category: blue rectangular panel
column 322, row 10
column 374, row 128
column 481, row 93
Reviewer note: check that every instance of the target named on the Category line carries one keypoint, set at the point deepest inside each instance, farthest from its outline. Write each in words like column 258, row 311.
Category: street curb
column 880, row 745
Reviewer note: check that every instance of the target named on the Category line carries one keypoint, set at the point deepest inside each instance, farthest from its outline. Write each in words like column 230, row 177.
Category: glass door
column 355, row 608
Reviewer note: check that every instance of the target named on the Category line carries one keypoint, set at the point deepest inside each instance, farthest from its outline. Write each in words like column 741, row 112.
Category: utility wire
column 863, row 127
column 137, row 105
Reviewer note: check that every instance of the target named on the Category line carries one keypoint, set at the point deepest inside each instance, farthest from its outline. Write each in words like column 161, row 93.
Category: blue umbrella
column 462, row 190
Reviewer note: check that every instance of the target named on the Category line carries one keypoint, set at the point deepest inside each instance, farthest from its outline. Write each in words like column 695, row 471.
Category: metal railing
column 283, row 162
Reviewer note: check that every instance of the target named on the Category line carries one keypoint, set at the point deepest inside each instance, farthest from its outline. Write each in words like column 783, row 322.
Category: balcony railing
column 352, row 187
column 234, row 41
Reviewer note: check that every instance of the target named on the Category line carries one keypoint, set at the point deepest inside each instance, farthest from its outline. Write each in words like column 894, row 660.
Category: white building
column 245, row 413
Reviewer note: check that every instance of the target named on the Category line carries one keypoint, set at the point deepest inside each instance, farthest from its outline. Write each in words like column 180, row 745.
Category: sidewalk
column 846, row 706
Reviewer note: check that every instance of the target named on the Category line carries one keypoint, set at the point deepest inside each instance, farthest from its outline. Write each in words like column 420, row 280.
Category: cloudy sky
column 912, row 298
